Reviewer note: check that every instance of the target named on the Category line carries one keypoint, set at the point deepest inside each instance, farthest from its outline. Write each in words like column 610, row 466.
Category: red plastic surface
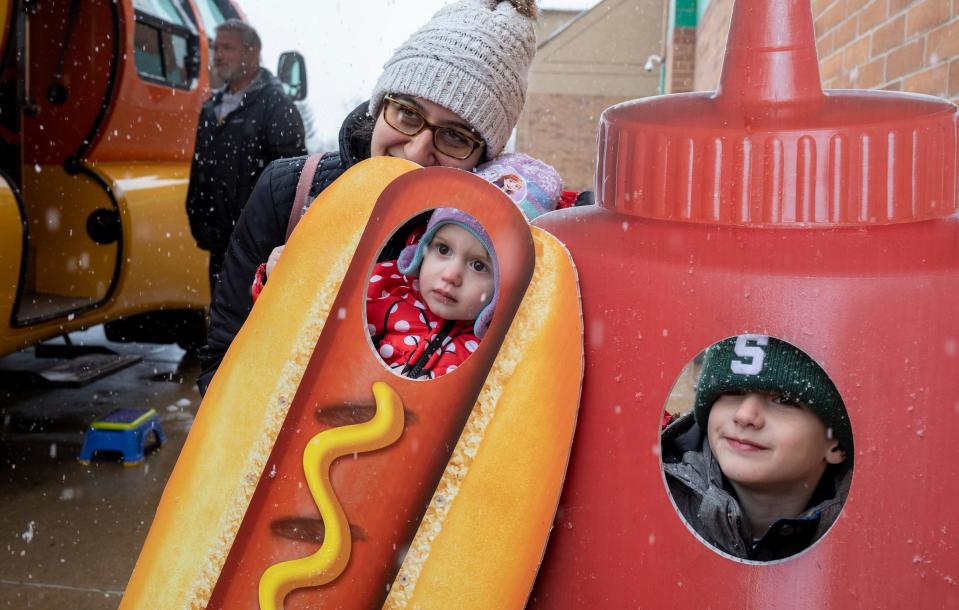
column 855, row 261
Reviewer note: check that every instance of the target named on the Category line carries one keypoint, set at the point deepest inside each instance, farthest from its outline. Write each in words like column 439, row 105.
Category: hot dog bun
column 211, row 485
column 483, row 537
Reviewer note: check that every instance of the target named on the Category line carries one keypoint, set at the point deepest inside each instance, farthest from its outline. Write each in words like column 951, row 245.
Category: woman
column 450, row 95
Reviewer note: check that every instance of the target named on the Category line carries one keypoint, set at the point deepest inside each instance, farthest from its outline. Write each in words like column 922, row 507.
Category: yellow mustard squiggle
column 330, row 560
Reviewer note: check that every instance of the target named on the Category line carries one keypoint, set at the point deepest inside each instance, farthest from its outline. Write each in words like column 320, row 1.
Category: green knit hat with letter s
column 758, row 363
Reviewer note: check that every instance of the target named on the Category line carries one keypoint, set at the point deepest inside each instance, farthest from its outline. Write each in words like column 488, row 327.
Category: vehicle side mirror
column 291, row 71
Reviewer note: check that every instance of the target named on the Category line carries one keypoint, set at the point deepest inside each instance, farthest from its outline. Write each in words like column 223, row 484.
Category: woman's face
column 419, row 148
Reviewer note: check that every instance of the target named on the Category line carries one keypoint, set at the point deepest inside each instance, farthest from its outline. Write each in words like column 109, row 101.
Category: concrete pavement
column 71, row 534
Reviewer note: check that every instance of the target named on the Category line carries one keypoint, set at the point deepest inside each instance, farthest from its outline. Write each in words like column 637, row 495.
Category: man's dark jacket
column 262, row 227
column 230, row 156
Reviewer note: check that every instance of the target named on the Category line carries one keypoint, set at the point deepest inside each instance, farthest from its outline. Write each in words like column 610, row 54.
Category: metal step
column 75, row 372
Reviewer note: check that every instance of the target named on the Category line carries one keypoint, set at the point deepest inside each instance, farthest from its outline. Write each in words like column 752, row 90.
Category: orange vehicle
column 98, row 107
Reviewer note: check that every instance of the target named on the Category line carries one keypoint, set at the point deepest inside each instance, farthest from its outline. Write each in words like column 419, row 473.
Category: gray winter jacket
column 705, row 499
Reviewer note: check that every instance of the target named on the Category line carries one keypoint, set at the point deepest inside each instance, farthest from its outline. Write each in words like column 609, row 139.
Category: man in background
column 245, row 125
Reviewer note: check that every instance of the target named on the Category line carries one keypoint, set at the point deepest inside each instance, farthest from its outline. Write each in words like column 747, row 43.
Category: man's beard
column 227, row 73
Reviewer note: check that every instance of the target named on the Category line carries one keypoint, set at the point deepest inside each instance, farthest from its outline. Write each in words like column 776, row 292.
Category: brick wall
column 681, row 60
column 902, row 45
column 561, row 130
column 711, row 44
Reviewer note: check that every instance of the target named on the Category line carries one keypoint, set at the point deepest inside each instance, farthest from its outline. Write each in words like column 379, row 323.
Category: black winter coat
column 262, row 227
column 230, row 156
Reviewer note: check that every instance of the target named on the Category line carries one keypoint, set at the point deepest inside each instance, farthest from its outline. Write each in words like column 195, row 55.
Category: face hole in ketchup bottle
column 756, row 448
column 431, row 295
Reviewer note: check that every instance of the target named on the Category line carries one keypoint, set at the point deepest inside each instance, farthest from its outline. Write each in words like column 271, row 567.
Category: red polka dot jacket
column 409, row 337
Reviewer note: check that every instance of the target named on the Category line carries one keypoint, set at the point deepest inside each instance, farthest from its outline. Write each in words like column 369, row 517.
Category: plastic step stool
column 124, row 430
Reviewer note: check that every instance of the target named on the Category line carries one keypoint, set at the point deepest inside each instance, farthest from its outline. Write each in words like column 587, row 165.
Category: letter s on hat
column 752, row 355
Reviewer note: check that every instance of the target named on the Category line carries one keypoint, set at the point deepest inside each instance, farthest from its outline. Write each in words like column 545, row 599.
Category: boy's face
column 767, row 443
column 456, row 277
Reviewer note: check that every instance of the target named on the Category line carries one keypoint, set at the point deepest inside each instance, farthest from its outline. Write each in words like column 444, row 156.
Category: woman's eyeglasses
column 408, row 120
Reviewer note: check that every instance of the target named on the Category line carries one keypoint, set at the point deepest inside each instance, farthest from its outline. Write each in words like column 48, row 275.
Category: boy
column 427, row 311
column 769, row 474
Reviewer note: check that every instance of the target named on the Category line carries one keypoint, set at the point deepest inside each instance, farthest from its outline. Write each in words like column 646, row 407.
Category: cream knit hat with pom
column 472, row 57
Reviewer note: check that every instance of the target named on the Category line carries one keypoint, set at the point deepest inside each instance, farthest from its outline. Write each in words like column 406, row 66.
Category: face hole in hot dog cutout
column 429, row 306
column 756, row 449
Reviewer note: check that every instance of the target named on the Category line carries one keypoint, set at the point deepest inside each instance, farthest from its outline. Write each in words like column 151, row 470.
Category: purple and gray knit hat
column 534, row 186
column 412, row 256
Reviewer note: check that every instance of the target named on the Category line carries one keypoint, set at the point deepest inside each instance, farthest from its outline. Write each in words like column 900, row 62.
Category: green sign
column 687, row 15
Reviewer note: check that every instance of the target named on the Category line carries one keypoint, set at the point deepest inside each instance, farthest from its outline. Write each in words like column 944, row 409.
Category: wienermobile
column 826, row 219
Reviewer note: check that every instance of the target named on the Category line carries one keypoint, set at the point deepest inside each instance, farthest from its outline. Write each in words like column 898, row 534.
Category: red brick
column 926, row 15
column 906, row 59
column 846, row 31
column 820, row 6
column 888, row 36
column 943, row 43
column 872, row 74
column 825, row 45
column 872, row 15
column 856, row 54
column 829, row 19
column 831, row 67
column 954, row 77
column 897, row 5
column 931, row 81
column 894, row 86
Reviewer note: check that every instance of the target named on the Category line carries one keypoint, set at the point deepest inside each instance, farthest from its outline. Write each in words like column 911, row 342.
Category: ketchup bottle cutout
column 826, row 219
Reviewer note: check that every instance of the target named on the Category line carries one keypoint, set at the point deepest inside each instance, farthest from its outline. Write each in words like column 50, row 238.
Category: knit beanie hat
column 532, row 185
column 472, row 58
column 412, row 256
column 757, row 363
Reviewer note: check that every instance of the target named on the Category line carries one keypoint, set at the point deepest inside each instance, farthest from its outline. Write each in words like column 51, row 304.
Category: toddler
column 427, row 311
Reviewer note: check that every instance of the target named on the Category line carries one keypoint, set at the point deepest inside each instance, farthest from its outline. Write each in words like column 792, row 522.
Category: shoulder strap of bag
column 302, row 198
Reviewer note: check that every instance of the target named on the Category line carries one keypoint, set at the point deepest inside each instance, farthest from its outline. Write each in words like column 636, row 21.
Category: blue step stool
column 123, row 430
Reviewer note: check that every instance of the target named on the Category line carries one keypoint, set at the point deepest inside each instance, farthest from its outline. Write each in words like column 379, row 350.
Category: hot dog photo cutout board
column 315, row 477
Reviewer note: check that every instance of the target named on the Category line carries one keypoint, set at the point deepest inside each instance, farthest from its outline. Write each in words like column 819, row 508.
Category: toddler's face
column 456, row 277
column 765, row 442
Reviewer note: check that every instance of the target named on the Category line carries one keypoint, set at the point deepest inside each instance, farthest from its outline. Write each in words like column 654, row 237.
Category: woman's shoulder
column 283, row 175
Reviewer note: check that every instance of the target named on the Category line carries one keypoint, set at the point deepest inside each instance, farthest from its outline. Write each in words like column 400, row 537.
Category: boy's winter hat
column 412, row 256
column 541, row 188
column 472, row 57
column 757, row 363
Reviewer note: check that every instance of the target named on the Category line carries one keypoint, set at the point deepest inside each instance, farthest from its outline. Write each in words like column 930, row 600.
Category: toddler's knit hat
column 472, row 57
column 412, row 256
column 757, row 363
column 534, row 186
